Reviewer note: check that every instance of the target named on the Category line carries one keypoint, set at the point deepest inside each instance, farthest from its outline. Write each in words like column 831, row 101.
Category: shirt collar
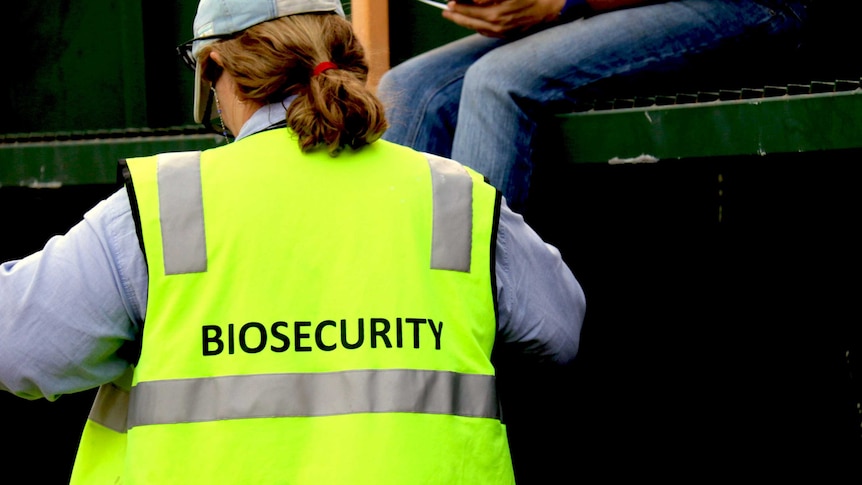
column 265, row 117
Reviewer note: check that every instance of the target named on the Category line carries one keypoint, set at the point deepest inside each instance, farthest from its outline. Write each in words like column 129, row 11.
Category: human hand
column 502, row 18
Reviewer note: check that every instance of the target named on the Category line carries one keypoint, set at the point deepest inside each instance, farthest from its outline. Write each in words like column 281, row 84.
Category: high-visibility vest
column 310, row 320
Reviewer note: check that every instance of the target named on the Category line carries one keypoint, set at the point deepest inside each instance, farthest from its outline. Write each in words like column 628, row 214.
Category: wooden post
column 370, row 20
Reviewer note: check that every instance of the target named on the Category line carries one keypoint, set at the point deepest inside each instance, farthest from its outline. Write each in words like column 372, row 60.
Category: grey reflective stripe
column 452, row 239
column 111, row 406
column 313, row 394
column 181, row 213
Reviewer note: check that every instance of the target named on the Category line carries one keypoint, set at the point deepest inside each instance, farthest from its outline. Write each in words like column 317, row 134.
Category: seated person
column 531, row 59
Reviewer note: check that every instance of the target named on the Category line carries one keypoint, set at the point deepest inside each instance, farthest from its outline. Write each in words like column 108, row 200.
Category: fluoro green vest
column 311, row 320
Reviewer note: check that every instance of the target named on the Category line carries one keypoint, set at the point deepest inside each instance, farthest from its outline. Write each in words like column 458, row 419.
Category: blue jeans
column 481, row 100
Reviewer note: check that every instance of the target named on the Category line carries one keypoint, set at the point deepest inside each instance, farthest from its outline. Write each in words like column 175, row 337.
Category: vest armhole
column 126, row 179
column 498, row 201
column 131, row 351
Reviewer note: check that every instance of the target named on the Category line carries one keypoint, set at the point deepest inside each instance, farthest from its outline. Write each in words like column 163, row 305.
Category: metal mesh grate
column 813, row 87
column 112, row 134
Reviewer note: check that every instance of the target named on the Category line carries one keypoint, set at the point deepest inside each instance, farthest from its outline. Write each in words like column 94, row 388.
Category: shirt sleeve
column 540, row 303
column 66, row 310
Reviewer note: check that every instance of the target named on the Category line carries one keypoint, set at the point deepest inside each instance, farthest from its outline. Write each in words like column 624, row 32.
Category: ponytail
column 318, row 59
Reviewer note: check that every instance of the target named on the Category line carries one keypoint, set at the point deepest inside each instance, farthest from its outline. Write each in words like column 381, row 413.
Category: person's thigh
column 552, row 65
column 507, row 92
column 422, row 94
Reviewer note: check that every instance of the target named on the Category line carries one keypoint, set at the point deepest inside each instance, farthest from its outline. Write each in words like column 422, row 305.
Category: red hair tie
column 323, row 66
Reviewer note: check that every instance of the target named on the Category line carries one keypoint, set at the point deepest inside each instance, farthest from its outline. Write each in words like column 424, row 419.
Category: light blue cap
column 222, row 17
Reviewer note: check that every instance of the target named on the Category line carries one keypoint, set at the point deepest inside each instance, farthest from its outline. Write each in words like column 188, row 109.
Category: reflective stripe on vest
column 181, row 213
column 110, row 408
column 183, row 234
column 383, row 391
column 453, row 216
column 323, row 394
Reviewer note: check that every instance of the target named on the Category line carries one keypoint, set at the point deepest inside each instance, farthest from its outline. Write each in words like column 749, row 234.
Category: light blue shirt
column 66, row 310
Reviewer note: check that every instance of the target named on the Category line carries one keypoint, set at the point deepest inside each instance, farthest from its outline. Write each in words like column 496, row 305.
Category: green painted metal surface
column 72, row 64
column 57, row 163
column 415, row 28
column 781, row 124
column 95, row 65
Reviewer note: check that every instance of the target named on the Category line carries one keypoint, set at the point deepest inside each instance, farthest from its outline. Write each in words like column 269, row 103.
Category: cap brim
column 202, row 95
